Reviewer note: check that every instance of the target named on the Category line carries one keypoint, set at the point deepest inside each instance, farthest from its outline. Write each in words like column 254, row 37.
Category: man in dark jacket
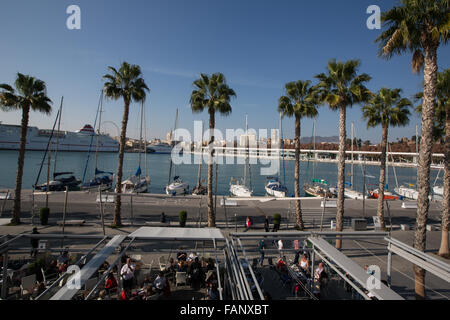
column 34, row 243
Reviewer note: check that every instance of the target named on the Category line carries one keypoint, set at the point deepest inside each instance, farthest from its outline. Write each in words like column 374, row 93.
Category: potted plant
column 182, row 217
column 276, row 220
column 43, row 215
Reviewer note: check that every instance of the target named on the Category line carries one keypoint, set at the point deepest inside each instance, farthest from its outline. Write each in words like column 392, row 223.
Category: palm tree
column 419, row 26
column 126, row 83
column 300, row 101
column 31, row 94
column 387, row 108
column 340, row 88
column 442, row 129
column 211, row 93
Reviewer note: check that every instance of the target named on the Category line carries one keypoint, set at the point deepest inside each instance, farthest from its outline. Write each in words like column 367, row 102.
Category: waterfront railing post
column 131, row 209
column 5, row 273
column 324, row 204
column 101, row 209
column 4, row 203
column 64, row 214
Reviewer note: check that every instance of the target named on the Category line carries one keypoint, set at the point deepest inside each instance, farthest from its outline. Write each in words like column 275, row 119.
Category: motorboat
column 177, row 187
column 387, row 195
column 102, row 179
column 60, row 181
column 274, row 188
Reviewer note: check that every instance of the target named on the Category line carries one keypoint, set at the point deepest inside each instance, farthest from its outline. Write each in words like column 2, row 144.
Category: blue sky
column 258, row 45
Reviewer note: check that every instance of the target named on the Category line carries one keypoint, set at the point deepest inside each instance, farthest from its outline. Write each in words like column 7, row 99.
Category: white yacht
column 353, row 194
column 177, row 187
column 240, row 190
column 136, row 184
column 159, row 148
column 274, row 188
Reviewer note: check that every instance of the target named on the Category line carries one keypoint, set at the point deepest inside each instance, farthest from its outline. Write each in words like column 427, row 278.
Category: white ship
column 159, row 148
column 37, row 139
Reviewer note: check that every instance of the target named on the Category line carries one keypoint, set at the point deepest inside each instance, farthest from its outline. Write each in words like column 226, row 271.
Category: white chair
column 180, row 278
column 27, row 284
column 162, row 263
column 136, row 257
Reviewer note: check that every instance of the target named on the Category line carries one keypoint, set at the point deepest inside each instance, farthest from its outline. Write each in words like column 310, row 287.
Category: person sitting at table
column 280, row 264
column 212, row 292
column 192, row 256
column 160, row 282
column 181, row 266
column 102, row 295
column 63, row 267
column 196, row 273
column 127, row 274
column 210, row 266
column 181, row 255
column 64, row 258
column 110, row 283
column 304, row 263
column 38, row 289
column 125, row 294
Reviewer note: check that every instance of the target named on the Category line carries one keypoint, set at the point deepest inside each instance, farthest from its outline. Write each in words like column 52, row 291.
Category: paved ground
column 147, row 210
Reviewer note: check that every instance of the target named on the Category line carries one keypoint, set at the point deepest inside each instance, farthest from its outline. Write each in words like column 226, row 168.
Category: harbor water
column 158, row 169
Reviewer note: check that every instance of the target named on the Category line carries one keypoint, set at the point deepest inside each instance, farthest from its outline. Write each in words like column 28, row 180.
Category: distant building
column 251, row 140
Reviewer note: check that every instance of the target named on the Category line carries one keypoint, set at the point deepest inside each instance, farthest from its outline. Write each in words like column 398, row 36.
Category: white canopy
column 167, row 233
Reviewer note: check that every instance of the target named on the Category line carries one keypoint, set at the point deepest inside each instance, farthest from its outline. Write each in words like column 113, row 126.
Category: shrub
column 43, row 215
column 182, row 217
column 276, row 219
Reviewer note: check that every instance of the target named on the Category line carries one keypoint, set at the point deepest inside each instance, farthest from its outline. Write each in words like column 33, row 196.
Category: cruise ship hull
column 37, row 140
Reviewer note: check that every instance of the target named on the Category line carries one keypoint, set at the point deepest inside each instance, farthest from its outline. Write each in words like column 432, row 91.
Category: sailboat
column 177, row 186
column 61, row 180
column 102, row 179
column 138, row 183
column 319, row 187
column 200, row 189
column 239, row 187
column 408, row 191
column 350, row 192
column 273, row 185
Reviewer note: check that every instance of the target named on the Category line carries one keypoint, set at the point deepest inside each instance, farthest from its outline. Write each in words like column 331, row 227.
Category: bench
column 105, row 198
column 329, row 204
column 409, row 204
column 71, row 222
column 228, row 203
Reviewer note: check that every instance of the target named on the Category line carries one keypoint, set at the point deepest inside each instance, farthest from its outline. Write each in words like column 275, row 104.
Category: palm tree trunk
column 444, row 249
column 298, row 207
column 23, row 141
column 211, row 213
column 380, row 211
column 423, row 176
column 123, row 133
column 341, row 174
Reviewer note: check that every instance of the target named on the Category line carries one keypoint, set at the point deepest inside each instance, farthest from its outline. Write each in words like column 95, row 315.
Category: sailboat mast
column 246, row 149
column 170, row 142
column 201, row 160
column 140, row 133
column 98, row 130
column 57, row 135
column 279, row 146
column 352, row 159
column 282, row 150
column 314, row 148
column 145, row 143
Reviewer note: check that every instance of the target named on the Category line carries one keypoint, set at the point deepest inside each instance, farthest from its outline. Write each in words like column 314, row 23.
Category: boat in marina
column 387, row 195
column 438, row 190
column 319, row 188
column 239, row 187
column 138, row 183
column 177, row 187
column 102, row 179
column 67, row 141
column 159, row 148
column 60, row 181
column 274, row 188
